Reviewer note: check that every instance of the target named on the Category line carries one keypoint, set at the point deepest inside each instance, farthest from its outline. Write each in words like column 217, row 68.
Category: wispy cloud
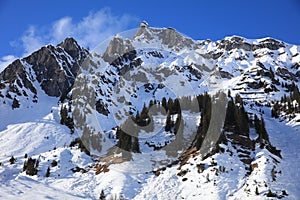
column 32, row 40
column 5, row 61
column 92, row 29
column 89, row 31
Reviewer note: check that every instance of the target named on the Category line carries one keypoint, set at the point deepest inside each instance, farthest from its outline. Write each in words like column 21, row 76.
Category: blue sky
column 26, row 25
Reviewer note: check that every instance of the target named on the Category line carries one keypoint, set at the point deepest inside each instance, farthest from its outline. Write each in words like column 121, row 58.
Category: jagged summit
column 71, row 46
column 117, row 47
column 169, row 37
column 50, row 69
column 238, row 42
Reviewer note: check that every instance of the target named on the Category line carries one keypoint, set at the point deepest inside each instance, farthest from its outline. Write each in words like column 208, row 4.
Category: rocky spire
column 71, row 46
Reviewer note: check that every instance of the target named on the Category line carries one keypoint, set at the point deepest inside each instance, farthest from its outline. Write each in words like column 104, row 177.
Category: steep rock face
column 117, row 48
column 16, row 78
column 167, row 36
column 71, row 46
column 54, row 69
column 240, row 43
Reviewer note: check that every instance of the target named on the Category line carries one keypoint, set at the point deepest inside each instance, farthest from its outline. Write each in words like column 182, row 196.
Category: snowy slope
column 113, row 83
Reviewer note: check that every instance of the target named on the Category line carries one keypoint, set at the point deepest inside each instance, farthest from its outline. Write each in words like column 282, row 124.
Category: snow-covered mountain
column 152, row 114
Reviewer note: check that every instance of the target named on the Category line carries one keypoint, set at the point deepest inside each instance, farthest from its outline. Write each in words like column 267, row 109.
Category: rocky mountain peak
column 236, row 42
column 71, row 46
column 117, row 47
column 271, row 44
column 52, row 69
column 169, row 37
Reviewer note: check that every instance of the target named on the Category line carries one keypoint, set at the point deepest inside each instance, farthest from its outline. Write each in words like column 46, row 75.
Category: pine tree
column 30, row 166
column 63, row 96
column 102, row 196
column 12, row 160
column 256, row 123
column 275, row 110
column 271, row 74
column 168, row 122
column 256, row 191
column 151, row 103
column 170, row 105
column 242, row 121
column 47, row 172
column 230, row 118
column 238, row 99
column 65, row 119
column 164, row 103
column 124, row 140
column 70, row 106
column 144, row 118
column 263, row 137
column 229, row 93
column 70, row 124
column 176, row 106
column 136, row 145
column 264, row 133
column 63, row 115
column 296, row 94
column 15, row 103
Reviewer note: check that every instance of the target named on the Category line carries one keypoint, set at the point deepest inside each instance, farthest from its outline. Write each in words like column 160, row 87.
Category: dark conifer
column 271, row 74
column 15, row 103
column 144, row 118
column 256, row 191
column 170, row 105
column 63, row 115
column 168, row 122
column 296, row 94
column 30, row 166
column 151, row 103
column 229, row 93
column 48, row 172
column 136, row 145
column 164, row 103
column 238, row 99
column 12, row 160
column 275, row 110
column 102, row 196
column 230, row 119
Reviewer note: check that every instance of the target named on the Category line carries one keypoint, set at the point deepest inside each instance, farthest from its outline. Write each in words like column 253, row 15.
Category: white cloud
column 93, row 28
column 61, row 28
column 5, row 61
column 89, row 31
column 31, row 40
